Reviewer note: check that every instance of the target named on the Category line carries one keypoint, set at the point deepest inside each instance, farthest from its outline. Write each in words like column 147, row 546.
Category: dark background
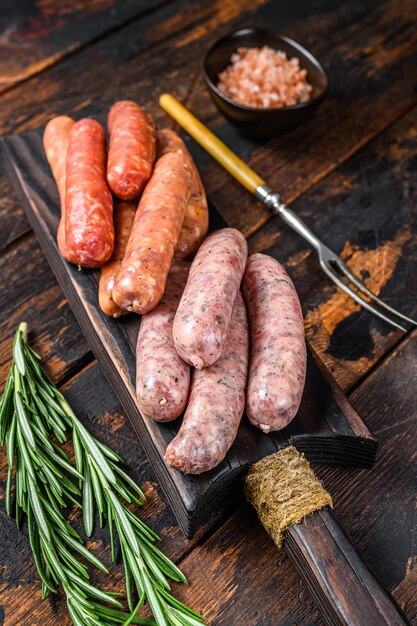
column 350, row 172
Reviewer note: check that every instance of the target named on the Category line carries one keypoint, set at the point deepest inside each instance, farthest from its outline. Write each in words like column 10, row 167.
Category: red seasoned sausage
column 124, row 214
column 56, row 141
column 150, row 250
column 196, row 218
column 89, row 229
column 162, row 378
column 216, row 403
column 202, row 320
column 131, row 150
column 278, row 350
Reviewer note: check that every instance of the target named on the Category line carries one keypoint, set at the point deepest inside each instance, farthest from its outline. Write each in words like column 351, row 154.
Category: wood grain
column 131, row 57
column 42, row 33
column 342, row 585
column 325, row 425
column 31, row 294
column 250, row 578
column 369, row 49
column 96, row 405
column 364, row 211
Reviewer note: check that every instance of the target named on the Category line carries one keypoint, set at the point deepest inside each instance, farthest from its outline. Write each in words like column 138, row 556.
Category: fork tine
column 350, row 292
column 359, row 284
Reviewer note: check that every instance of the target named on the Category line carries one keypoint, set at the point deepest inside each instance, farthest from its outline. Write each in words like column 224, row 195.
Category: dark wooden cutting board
column 327, row 428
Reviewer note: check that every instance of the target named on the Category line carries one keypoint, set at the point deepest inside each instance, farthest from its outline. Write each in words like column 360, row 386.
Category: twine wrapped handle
column 283, row 490
column 292, row 504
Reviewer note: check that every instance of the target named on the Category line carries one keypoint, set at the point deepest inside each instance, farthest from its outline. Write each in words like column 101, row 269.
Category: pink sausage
column 278, row 350
column 203, row 317
column 162, row 378
column 216, row 403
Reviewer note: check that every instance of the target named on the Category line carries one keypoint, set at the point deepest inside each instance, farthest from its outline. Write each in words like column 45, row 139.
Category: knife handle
column 338, row 579
column 244, row 174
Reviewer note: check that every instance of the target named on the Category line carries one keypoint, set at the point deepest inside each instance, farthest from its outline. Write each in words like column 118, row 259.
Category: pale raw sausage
column 216, row 403
column 150, row 250
column 278, row 350
column 196, row 218
column 89, row 229
column 162, row 377
column 56, row 141
column 202, row 320
column 124, row 214
column 131, row 149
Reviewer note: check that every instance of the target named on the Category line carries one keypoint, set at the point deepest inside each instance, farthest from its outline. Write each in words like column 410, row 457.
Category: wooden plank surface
column 325, row 426
column 38, row 33
column 94, row 402
column 370, row 52
column 132, row 57
column 249, row 577
column 369, row 49
column 33, row 293
column 364, row 210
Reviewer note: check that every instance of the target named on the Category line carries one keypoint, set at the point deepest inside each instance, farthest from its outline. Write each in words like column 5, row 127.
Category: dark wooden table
column 350, row 172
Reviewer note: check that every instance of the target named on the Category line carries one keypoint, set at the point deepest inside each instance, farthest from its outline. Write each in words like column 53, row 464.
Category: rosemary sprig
column 42, row 490
column 31, row 410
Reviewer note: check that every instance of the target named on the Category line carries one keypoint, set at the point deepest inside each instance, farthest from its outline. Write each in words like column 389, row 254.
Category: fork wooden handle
column 214, row 146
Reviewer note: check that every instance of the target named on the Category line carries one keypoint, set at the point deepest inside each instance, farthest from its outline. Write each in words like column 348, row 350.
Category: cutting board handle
column 338, row 579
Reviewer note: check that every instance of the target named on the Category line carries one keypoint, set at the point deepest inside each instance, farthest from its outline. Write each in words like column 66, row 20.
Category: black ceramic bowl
column 262, row 123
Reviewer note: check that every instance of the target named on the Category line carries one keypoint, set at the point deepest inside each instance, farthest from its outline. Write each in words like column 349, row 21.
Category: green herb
column 31, row 410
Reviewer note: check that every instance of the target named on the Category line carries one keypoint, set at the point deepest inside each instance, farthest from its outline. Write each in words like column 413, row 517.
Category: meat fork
column 335, row 268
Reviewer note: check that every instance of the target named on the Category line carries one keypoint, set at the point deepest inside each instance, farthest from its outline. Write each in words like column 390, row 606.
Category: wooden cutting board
column 326, row 427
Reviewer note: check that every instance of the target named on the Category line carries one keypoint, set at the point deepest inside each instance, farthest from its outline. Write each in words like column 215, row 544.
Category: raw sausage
column 131, row 150
column 216, row 403
column 202, row 320
column 56, row 141
column 162, row 378
column 195, row 225
column 124, row 214
column 278, row 350
column 89, row 229
column 150, row 250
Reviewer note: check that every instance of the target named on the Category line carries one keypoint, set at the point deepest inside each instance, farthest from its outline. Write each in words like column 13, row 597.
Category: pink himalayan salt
column 264, row 78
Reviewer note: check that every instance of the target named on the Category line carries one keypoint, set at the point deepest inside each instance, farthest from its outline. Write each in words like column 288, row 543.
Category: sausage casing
column 196, row 218
column 202, row 320
column 278, row 350
column 124, row 214
column 162, row 377
column 216, row 404
column 131, row 149
column 89, row 229
column 56, row 141
column 150, row 250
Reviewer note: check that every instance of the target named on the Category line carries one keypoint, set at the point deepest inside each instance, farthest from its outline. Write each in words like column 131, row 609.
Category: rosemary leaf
column 18, row 352
column 23, row 420
column 9, row 485
column 88, row 504
column 93, row 591
column 32, row 410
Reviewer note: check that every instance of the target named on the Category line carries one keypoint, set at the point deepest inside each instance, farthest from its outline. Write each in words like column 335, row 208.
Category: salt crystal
column 264, row 78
